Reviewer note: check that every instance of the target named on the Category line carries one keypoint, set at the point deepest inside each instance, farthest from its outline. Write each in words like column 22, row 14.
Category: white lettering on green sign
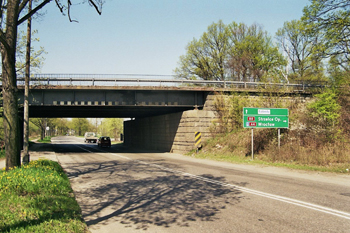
column 263, row 111
column 266, row 124
column 265, row 119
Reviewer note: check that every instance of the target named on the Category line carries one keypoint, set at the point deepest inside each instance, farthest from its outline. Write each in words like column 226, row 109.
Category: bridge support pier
column 171, row 132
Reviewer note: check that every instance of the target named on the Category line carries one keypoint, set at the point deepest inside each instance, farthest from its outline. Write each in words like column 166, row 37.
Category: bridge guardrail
column 154, row 80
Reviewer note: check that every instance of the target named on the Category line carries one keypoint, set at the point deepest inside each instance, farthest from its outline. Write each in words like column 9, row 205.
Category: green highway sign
column 265, row 118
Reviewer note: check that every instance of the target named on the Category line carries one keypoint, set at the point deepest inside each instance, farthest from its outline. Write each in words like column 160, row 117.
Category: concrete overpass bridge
column 166, row 111
column 135, row 96
column 111, row 102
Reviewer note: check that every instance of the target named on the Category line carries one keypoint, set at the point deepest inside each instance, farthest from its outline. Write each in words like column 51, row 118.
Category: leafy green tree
column 325, row 110
column 337, row 74
column 300, row 47
column 206, row 57
column 80, row 125
column 60, row 125
column 230, row 52
column 112, row 127
column 42, row 123
column 34, row 130
column 252, row 54
column 36, row 57
column 331, row 19
column 12, row 14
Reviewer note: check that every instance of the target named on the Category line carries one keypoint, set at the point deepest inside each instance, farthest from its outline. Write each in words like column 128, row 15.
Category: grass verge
column 45, row 140
column 38, row 198
column 231, row 158
column 235, row 147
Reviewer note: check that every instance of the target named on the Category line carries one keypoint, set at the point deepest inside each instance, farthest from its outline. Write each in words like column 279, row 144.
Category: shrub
column 318, row 134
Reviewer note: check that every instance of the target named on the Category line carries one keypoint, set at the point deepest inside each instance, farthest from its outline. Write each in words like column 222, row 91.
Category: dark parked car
column 104, row 141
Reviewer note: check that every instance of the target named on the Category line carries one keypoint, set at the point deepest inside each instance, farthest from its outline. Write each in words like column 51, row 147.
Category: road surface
column 121, row 190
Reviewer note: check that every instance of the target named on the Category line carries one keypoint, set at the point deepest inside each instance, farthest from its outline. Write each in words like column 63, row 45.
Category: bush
column 318, row 134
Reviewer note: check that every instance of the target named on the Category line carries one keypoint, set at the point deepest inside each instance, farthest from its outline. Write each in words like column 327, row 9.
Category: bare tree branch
column 32, row 12
column 59, row 5
column 96, row 7
column 22, row 5
column 70, row 19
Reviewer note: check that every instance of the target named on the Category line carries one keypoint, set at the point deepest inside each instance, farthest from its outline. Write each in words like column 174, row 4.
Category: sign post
column 265, row 118
column 279, row 138
column 252, row 143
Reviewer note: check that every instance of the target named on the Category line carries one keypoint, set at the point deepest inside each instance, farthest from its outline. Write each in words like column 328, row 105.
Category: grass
column 231, row 158
column 235, row 147
column 38, row 198
column 45, row 140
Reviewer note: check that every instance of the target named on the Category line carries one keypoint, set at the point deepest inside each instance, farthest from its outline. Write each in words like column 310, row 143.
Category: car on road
column 90, row 137
column 104, row 141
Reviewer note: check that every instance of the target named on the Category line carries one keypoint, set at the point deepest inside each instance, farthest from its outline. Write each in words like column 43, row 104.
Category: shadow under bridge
column 109, row 102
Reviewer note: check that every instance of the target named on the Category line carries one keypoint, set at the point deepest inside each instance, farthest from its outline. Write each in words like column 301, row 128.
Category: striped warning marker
column 198, row 137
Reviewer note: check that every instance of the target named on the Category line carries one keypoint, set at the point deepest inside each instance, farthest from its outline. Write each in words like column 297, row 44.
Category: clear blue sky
column 145, row 36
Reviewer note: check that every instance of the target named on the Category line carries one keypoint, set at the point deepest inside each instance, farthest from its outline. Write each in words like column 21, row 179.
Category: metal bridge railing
column 153, row 80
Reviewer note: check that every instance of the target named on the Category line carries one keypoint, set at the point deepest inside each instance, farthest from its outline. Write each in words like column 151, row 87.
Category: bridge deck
column 124, row 101
column 102, row 101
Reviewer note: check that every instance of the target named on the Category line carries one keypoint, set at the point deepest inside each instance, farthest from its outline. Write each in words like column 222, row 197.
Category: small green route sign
column 265, row 118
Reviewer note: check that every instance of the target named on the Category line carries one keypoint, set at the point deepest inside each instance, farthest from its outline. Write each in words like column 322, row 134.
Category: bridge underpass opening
column 156, row 114
column 190, row 108
column 151, row 132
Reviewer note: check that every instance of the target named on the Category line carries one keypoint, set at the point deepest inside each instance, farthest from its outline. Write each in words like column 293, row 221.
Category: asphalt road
column 121, row 190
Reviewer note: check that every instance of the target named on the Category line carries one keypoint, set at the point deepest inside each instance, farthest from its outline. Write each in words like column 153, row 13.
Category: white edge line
column 251, row 191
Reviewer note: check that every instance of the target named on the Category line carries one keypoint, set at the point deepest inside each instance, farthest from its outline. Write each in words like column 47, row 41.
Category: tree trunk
column 26, row 90
column 42, row 134
column 9, row 91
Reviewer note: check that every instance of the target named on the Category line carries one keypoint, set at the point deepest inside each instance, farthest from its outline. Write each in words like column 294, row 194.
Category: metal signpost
column 265, row 118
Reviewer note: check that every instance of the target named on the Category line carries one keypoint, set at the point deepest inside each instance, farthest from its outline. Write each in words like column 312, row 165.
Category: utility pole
column 26, row 90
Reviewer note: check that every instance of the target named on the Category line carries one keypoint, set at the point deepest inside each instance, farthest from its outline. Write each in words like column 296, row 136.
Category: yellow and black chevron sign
column 198, row 137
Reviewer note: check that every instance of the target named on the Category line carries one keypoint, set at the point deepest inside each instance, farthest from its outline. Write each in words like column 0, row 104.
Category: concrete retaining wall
column 155, row 133
column 170, row 133
column 176, row 132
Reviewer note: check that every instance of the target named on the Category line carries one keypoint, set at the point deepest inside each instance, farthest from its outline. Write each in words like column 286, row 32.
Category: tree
column 206, row 57
column 302, row 50
column 36, row 56
column 58, row 126
column 81, row 125
column 325, row 110
column 229, row 52
column 61, row 125
column 42, row 123
column 112, row 127
column 252, row 54
column 331, row 19
column 26, row 157
column 337, row 74
column 12, row 14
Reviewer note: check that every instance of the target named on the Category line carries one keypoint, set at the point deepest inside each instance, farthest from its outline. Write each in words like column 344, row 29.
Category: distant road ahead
column 121, row 190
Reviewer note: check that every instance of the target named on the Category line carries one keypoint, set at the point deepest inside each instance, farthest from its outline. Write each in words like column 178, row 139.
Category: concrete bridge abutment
column 173, row 132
